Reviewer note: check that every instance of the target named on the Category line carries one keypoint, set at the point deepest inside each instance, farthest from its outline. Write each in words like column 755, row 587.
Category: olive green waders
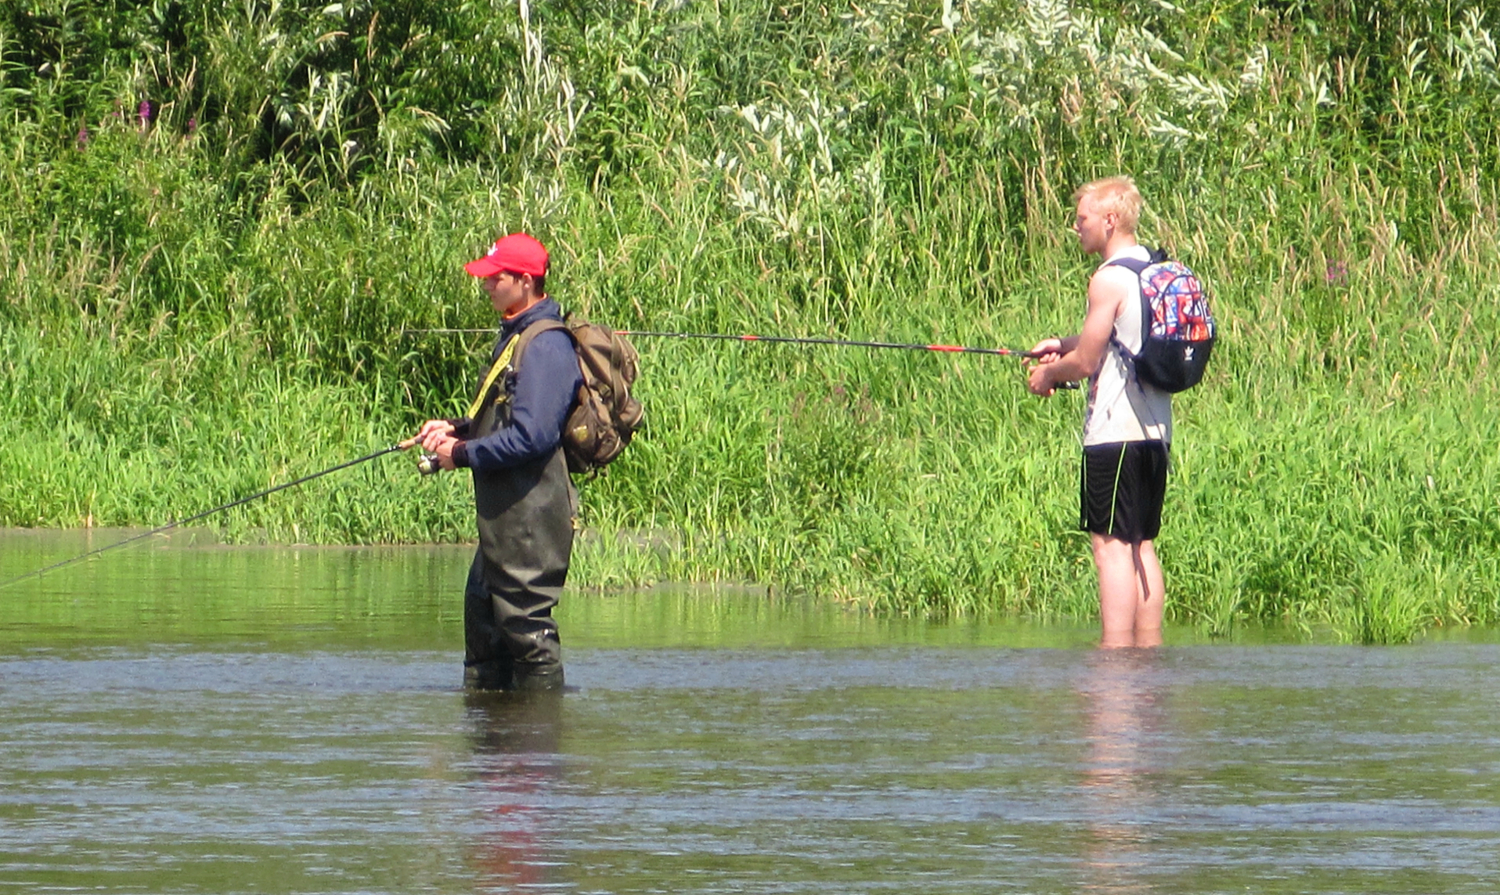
column 526, row 515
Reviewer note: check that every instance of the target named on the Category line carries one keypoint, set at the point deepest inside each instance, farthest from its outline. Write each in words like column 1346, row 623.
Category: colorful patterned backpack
column 1177, row 329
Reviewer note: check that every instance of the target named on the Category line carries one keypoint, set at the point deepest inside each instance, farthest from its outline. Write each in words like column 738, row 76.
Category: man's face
column 1093, row 227
column 505, row 289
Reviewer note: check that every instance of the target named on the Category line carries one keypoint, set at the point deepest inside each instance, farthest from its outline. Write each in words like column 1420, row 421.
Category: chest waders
column 525, row 517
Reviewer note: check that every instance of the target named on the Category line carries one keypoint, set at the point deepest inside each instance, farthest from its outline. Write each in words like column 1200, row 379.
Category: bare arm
column 1079, row 357
column 1049, row 350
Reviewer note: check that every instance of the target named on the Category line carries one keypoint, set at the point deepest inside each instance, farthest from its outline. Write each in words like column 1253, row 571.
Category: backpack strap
column 507, row 356
column 546, row 324
column 1138, row 267
column 504, row 351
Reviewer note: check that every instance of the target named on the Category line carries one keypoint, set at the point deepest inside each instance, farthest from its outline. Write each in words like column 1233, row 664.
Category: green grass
column 221, row 299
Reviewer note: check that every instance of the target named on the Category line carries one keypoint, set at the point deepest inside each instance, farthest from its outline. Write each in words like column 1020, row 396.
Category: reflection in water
column 1126, row 716
column 517, row 765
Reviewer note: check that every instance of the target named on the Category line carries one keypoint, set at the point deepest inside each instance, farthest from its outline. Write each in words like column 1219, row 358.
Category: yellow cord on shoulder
column 500, row 364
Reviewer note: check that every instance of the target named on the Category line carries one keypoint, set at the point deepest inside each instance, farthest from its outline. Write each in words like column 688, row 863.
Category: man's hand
column 437, row 438
column 433, row 427
column 442, row 448
column 1040, row 380
column 1047, row 351
column 1061, row 361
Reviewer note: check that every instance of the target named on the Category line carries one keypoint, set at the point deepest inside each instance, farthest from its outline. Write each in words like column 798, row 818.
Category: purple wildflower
column 1337, row 273
column 145, row 111
column 83, row 137
column 192, row 125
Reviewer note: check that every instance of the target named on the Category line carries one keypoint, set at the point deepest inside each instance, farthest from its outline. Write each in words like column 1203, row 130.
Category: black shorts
column 1123, row 486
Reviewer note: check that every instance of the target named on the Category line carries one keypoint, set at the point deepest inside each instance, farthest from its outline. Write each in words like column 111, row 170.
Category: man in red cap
column 511, row 440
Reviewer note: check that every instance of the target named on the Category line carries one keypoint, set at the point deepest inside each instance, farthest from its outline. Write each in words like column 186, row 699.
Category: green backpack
column 604, row 415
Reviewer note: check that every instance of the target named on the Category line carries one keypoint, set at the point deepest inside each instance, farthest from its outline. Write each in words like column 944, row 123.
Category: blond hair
column 1116, row 195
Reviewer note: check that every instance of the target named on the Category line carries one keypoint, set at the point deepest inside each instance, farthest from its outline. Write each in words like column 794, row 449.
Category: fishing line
column 234, row 503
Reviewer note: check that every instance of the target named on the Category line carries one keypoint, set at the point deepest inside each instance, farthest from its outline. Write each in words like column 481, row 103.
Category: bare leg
column 1152, row 592
column 1119, row 590
column 1131, row 592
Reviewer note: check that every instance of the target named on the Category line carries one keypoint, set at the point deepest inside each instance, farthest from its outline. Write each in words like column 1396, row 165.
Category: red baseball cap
column 516, row 253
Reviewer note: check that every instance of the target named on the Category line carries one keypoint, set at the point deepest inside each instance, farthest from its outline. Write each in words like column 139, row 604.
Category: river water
column 202, row 719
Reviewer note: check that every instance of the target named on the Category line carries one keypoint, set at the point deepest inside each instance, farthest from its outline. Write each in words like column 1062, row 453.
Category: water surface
column 207, row 719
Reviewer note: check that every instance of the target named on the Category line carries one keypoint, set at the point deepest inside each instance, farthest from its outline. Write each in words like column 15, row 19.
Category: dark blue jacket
column 547, row 379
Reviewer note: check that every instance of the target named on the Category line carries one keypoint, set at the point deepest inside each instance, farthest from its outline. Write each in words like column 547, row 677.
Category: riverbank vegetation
column 230, row 225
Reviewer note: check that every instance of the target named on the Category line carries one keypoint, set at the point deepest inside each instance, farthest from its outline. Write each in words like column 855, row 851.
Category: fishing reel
column 427, row 463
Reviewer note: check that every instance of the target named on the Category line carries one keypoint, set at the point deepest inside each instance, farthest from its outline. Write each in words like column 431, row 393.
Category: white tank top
column 1121, row 407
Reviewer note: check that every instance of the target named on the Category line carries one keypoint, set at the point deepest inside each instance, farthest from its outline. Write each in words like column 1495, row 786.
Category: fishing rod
column 234, row 503
column 841, row 343
column 794, row 340
column 800, row 340
column 847, row 343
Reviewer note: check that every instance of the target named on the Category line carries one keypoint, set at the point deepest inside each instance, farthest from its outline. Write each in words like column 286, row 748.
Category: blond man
column 1127, row 429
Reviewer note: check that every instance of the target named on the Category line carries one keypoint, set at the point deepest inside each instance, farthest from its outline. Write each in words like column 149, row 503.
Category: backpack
column 604, row 415
column 1177, row 329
